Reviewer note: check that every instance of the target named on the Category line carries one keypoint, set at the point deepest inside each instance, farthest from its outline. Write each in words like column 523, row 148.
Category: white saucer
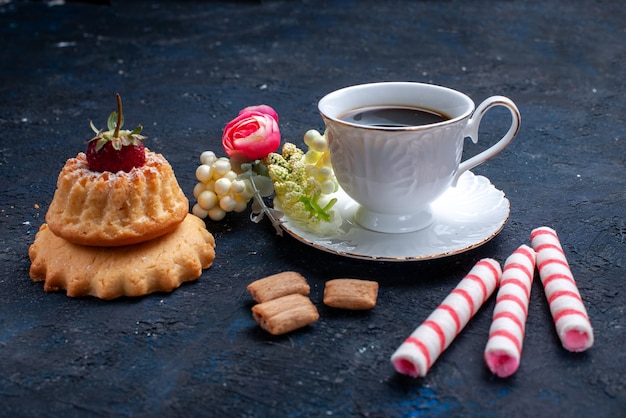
column 465, row 217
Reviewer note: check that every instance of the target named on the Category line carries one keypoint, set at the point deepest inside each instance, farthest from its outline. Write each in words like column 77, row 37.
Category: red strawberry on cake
column 116, row 149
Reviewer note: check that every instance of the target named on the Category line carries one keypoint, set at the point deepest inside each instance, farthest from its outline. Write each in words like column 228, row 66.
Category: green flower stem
column 116, row 134
column 315, row 209
column 329, row 205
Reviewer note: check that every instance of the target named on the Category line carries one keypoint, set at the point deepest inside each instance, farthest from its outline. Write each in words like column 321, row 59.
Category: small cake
column 119, row 223
column 158, row 265
column 113, row 209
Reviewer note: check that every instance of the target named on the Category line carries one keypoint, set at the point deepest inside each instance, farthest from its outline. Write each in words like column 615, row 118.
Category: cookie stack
column 111, row 234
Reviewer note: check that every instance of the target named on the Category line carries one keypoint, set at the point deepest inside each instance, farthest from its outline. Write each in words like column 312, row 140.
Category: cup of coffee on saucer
column 395, row 147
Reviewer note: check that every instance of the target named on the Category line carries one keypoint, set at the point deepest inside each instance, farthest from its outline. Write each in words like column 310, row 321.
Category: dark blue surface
column 184, row 69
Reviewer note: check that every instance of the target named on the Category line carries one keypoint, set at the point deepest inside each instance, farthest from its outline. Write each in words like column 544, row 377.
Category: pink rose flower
column 253, row 134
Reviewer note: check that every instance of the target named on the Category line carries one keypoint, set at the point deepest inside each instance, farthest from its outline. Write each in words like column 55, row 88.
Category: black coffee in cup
column 393, row 116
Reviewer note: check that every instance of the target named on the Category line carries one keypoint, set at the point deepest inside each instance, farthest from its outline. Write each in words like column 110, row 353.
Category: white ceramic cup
column 395, row 173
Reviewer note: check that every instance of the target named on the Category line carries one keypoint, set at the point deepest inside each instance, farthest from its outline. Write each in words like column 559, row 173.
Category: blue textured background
column 184, row 69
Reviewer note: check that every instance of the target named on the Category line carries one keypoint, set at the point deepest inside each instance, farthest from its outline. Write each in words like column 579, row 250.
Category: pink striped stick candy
column 420, row 350
column 506, row 335
column 567, row 308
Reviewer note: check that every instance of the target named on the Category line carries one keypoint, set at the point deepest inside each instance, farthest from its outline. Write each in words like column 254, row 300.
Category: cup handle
column 471, row 131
